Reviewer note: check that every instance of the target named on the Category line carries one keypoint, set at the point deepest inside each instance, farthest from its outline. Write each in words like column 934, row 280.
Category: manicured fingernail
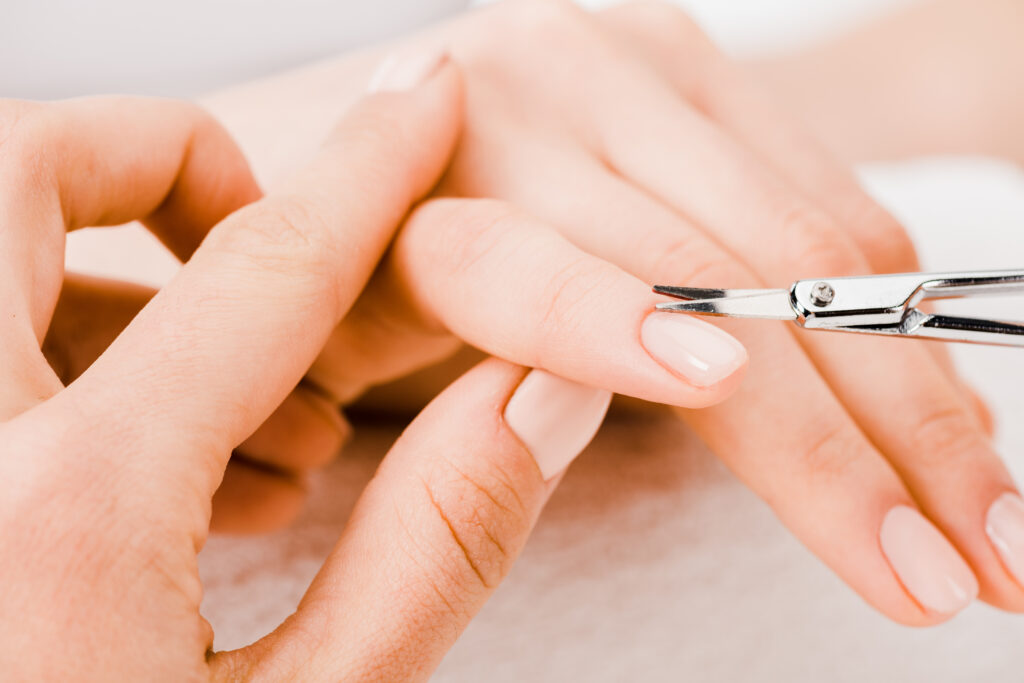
column 555, row 418
column 926, row 563
column 406, row 71
column 697, row 351
column 1004, row 525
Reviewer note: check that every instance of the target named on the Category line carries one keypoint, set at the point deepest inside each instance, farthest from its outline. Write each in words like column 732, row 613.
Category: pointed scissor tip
column 763, row 303
column 689, row 292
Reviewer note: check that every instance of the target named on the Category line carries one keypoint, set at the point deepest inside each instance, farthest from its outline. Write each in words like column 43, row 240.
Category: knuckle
column 461, row 234
column 946, row 433
column 283, row 226
column 483, row 521
column 812, row 237
column 284, row 234
column 565, row 290
column 831, row 452
column 696, row 262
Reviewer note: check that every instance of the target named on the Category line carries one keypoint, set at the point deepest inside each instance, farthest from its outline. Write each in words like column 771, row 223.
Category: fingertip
column 392, row 144
column 699, row 353
column 253, row 500
column 927, row 565
column 305, row 432
column 400, row 72
column 1004, row 528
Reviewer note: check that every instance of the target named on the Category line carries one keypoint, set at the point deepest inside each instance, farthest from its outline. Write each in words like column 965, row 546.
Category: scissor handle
column 877, row 300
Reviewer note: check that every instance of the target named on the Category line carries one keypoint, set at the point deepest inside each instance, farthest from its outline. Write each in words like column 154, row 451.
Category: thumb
column 435, row 532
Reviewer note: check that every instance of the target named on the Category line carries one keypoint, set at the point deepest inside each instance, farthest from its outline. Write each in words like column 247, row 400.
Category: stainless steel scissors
column 872, row 304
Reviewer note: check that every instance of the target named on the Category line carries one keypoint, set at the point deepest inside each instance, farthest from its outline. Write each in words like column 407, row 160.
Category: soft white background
column 651, row 563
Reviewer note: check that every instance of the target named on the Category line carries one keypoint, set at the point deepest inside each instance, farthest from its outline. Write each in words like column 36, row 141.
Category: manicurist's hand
column 624, row 138
column 108, row 482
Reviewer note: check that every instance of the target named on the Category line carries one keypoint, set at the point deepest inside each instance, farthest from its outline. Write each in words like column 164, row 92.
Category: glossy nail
column 555, row 418
column 1004, row 525
column 400, row 72
column 926, row 563
column 697, row 351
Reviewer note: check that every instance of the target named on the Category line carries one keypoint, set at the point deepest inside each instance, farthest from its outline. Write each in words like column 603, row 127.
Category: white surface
column 651, row 562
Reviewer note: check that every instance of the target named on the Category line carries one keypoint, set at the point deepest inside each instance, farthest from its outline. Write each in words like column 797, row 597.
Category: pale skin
column 630, row 135
column 939, row 77
column 719, row 187
column 109, row 481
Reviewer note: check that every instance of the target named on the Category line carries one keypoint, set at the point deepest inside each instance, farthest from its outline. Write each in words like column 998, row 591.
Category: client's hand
column 629, row 134
column 107, row 483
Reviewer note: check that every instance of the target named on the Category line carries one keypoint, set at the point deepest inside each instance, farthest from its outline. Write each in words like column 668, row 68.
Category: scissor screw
column 822, row 293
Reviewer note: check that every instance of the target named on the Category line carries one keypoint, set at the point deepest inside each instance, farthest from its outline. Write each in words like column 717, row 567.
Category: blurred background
column 687, row 576
column 63, row 48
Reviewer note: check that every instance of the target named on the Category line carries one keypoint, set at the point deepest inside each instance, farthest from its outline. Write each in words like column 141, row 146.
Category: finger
column 111, row 160
column 516, row 288
column 436, row 530
column 255, row 500
column 828, row 483
column 669, row 39
column 221, row 346
column 305, row 432
column 981, row 409
column 88, row 162
column 88, row 316
column 896, row 391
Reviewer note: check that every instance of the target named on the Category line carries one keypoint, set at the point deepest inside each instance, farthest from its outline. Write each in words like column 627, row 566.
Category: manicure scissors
column 872, row 304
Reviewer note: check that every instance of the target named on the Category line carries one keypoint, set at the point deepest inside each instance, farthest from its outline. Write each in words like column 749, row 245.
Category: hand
column 942, row 72
column 68, row 165
column 628, row 133
column 108, row 482
column 459, row 270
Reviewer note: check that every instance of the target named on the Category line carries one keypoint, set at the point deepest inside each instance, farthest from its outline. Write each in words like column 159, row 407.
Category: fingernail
column 926, row 563
column 406, row 71
column 699, row 352
column 1004, row 525
column 555, row 418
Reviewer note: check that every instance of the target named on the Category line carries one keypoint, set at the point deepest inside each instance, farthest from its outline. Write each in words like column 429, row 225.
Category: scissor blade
column 765, row 303
column 691, row 293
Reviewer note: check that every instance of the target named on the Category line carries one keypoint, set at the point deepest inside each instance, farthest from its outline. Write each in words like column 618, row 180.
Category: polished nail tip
column 1004, row 526
column 927, row 564
column 555, row 418
column 698, row 352
column 402, row 72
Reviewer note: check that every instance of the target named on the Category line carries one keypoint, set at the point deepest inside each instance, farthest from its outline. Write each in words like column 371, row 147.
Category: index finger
column 97, row 161
column 214, row 352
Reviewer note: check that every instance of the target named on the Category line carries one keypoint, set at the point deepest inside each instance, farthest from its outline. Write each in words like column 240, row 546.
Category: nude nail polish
column 555, row 418
column 1004, row 525
column 400, row 72
column 928, row 566
column 699, row 352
